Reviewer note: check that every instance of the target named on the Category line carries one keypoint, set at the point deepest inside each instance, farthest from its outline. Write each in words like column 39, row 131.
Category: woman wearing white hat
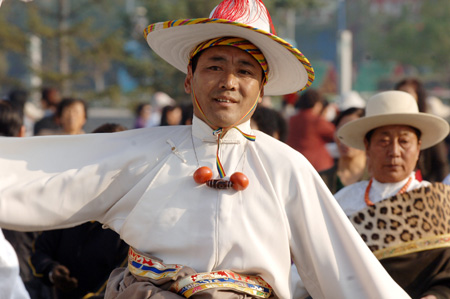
column 192, row 235
column 403, row 221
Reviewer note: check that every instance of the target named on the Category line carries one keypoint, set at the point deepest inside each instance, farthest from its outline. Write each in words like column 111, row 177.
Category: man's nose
column 394, row 148
column 228, row 81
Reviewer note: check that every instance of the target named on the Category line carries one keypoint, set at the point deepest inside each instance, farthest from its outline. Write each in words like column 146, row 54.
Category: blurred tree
column 12, row 42
column 86, row 42
column 82, row 40
column 418, row 37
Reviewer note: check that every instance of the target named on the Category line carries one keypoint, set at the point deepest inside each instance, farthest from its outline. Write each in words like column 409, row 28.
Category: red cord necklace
column 366, row 194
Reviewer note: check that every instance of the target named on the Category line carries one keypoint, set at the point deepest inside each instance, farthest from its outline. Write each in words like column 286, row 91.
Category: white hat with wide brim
column 289, row 70
column 394, row 108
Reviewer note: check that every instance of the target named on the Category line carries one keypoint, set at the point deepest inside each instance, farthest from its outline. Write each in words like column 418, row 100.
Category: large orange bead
column 202, row 175
column 239, row 180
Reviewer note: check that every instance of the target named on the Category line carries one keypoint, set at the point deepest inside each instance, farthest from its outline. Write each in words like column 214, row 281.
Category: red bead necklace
column 402, row 190
column 238, row 181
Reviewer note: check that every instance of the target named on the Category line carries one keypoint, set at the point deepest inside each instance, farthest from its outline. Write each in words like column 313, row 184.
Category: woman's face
column 344, row 150
column 174, row 116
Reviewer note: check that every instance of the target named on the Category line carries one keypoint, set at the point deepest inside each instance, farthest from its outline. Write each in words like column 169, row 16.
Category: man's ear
column 366, row 147
column 187, row 80
column 261, row 95
column 419, row 145
column 22, row 132
column 366, row 144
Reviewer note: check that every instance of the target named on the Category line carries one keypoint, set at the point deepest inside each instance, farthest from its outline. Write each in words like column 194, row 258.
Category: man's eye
column 404, row 141
column 245, row 72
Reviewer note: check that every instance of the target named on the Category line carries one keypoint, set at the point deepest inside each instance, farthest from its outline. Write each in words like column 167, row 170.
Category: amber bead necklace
column 402, row 190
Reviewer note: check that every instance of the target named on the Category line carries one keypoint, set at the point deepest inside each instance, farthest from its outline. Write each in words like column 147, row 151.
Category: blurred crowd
column 50, row 263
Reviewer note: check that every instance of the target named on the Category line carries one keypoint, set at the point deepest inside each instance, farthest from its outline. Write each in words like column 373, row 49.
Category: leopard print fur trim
column 410, row 222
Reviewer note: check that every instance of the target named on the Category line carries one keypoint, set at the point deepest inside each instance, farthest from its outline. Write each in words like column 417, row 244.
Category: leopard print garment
column 409, row 222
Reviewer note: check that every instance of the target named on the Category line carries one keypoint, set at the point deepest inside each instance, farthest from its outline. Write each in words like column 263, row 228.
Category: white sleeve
column 296, row 284
column 53, row 182
column 332, row 259
column 11, row 285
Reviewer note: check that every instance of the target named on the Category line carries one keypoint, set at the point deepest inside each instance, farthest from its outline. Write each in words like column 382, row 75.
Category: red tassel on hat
column 236, row 9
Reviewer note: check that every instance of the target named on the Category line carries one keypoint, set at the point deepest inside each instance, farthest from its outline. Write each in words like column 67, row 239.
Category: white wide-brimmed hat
column 350, row 99
column 289, row 70
column 394, row 108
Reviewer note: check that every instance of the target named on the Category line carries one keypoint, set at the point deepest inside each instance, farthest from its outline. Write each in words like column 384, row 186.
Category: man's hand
column 60, row 276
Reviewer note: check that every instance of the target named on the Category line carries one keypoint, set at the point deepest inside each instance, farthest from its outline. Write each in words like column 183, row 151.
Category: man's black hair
column 68, row 102
column 18, row 98
column 10, row 120
column 350, row 111
column 270, row 121
column 110, row 128
column 308, row 99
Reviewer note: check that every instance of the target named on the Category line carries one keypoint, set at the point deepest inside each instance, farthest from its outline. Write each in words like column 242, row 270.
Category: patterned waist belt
column 252, row 285
column 144, row 266
column 187, row 286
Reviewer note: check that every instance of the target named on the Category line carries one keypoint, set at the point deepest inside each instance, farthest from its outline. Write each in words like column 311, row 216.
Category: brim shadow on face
column 433, row 129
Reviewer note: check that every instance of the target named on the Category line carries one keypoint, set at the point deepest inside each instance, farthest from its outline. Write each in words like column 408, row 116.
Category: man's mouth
column 222, row 98
column 223, row 101
column 393, row 165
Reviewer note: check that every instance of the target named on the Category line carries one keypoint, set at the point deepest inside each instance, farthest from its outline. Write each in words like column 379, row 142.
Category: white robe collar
column 204, row 132
column 385, row 190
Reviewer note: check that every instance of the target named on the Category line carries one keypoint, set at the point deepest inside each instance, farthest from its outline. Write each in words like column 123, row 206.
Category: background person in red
column 309, row 131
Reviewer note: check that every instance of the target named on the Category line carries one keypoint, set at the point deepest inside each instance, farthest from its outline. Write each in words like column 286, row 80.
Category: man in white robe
column 140, row 183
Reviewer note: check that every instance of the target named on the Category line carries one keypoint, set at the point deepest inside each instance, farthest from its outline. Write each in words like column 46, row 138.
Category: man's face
column 227, row 81
column 392, row 153
column 73, row 118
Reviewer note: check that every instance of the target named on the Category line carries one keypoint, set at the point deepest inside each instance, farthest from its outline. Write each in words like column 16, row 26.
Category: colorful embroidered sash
column 252, row 285
column 141, row 265
column 144, row 266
